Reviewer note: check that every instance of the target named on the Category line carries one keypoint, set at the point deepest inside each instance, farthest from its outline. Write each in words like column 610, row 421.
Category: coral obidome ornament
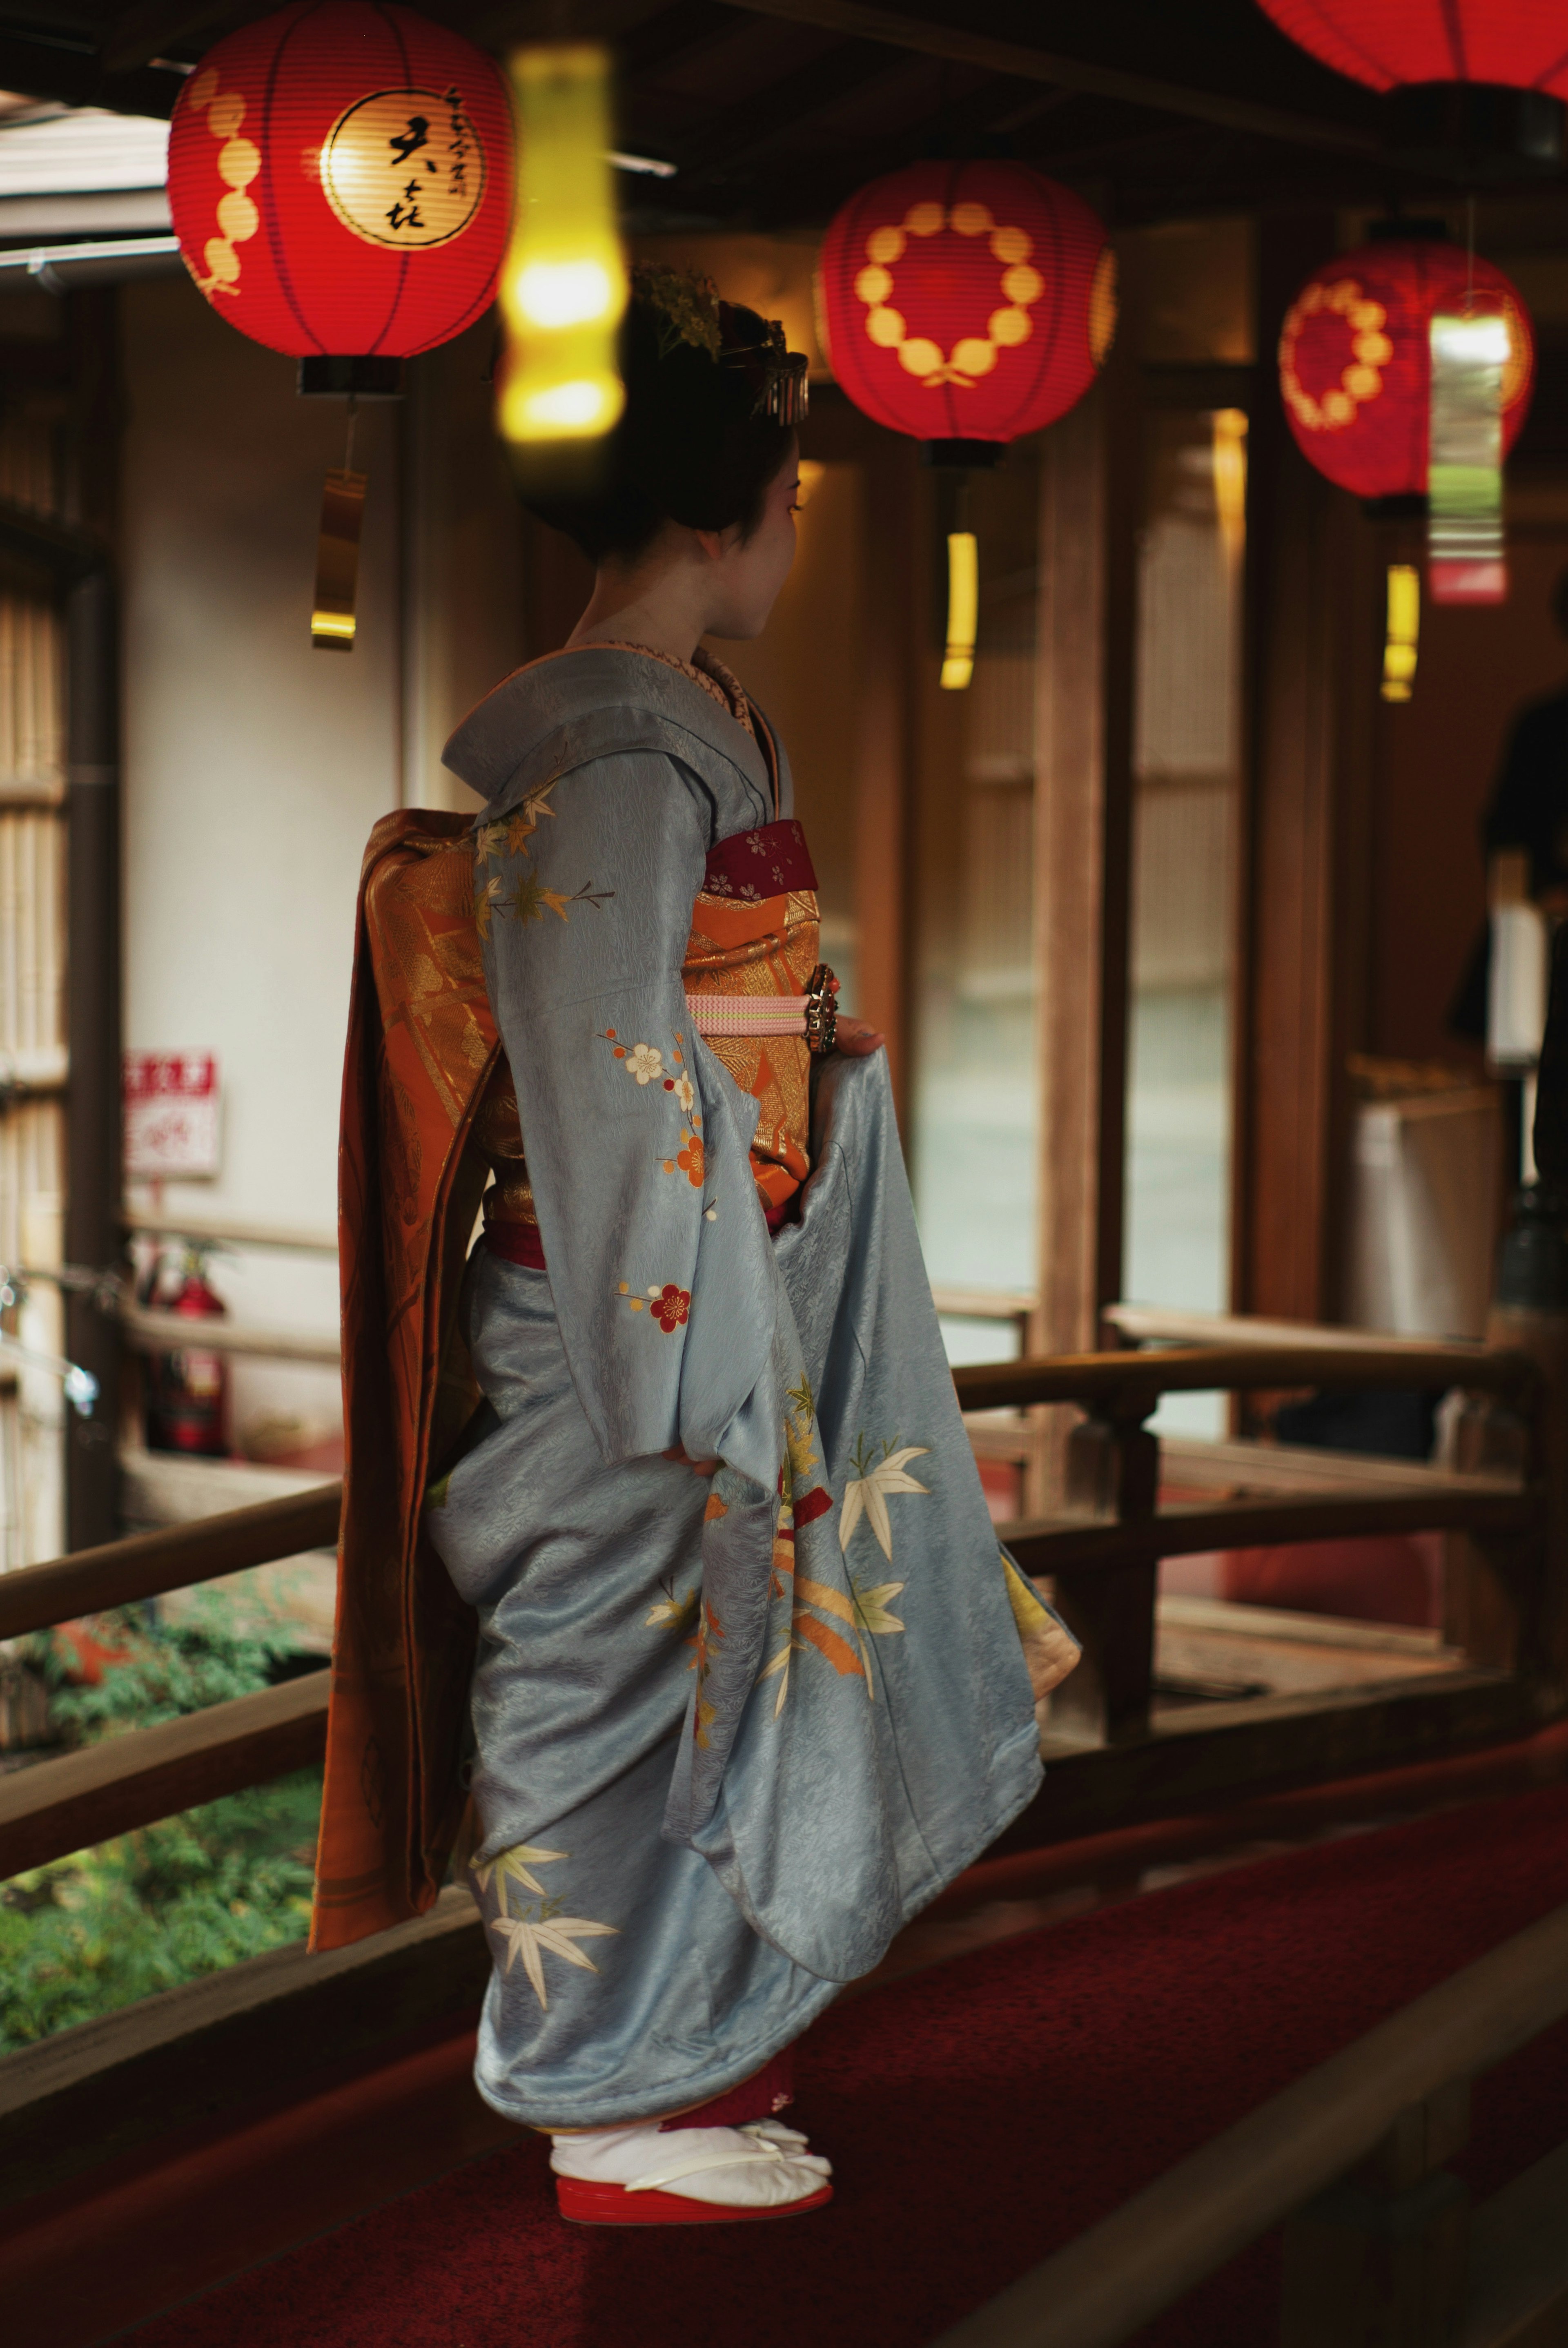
column 966, row 302
column 340, row 176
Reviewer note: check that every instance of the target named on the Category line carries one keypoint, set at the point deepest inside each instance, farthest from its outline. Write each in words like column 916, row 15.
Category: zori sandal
column 688, row 2177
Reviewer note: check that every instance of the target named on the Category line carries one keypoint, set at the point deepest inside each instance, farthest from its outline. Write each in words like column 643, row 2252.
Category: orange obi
column 754, row 936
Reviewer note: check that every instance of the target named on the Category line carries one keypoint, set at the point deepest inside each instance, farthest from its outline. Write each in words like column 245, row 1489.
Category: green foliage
column 174, row 1900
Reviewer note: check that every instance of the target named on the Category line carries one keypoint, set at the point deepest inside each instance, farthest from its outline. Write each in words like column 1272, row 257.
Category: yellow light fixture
column 1404, row 628
column 1229, row 459
column 563, row 285
column 963, row 609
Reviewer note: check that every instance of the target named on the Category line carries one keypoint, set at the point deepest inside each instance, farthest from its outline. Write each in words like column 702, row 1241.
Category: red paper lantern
column 966, row 302
column 1522, row 43
column 341, row 180
column 1355, row 359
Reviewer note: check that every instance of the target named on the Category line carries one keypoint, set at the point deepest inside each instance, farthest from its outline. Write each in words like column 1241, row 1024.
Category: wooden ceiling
column 773, row 110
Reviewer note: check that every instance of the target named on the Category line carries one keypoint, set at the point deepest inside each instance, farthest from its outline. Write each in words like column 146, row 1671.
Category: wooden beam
column 129, row 1781
column 153, row 27
column 963, row 46
column 1113, row 2279
column 119, row 1572
column 70, row 69
column 1124, row 1384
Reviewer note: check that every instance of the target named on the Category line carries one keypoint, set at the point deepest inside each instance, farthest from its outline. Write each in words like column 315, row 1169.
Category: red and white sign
column 170, row 1113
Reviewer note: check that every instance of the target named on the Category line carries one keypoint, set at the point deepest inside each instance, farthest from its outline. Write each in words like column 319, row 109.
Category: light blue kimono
column 728, row 1736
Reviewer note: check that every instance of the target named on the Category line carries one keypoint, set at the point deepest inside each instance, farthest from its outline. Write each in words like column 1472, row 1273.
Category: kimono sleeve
column 637, row 1139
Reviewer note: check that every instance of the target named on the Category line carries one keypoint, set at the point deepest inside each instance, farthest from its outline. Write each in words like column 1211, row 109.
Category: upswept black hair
column 695, row 443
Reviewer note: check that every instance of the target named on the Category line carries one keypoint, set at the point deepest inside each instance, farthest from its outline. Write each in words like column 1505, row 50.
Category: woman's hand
column 856, row 1038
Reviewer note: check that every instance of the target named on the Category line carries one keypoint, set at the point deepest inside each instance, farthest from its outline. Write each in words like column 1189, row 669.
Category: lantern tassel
column 337, row 562
column 1403, row 630
column 963, row 609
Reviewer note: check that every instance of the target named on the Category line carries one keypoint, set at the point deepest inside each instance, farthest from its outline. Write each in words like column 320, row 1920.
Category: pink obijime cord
column 813, row 1014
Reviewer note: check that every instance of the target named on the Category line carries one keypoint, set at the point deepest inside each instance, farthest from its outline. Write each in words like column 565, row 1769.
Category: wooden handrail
column 145, row 1565
column 131, row 1779
column 1189, row 1529
column 1139, row 2261
column 58, row 1807
column 1128, row 1384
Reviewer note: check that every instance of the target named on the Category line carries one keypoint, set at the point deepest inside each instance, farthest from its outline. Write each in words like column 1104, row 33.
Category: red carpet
column 980, row 2114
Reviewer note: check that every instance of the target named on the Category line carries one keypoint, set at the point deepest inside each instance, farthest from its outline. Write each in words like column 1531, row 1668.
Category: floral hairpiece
column 686, row 303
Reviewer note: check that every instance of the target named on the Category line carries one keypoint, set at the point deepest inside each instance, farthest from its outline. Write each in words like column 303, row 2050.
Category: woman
column 754, row 1680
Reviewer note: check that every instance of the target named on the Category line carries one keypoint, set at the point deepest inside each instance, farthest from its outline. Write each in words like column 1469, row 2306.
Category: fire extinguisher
column 187, row 1391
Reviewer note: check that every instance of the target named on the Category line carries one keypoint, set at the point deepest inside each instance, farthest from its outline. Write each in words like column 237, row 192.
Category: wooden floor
column 1206, row 1650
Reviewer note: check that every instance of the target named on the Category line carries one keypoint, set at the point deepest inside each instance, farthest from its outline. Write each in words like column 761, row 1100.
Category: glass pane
column 1185, row 806
column 975, row 1092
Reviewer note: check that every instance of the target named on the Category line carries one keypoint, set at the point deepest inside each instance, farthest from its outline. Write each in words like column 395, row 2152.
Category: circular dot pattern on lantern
column 340, row 176
column 966, row 300
column 1387, row 43
column 1355, row 361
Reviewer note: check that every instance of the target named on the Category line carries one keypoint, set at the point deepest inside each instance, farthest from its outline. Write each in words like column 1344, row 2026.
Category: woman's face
column 748, row 573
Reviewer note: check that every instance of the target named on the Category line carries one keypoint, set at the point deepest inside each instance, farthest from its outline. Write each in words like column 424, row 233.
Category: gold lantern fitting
column 563, row 285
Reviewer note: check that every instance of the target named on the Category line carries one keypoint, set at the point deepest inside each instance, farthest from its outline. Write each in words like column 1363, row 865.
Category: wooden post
column 1381, row 2260
column 1084, row 796
column 1112, row 1470
column 1303, row 873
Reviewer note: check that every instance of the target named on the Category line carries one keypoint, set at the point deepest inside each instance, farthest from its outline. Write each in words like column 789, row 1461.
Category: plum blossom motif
column 643, row 1062
column 669, row 1305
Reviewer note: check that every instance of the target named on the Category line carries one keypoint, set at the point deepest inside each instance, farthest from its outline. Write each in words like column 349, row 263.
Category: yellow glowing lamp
column 563, row 285
column 1403, row 632
column 963, row 609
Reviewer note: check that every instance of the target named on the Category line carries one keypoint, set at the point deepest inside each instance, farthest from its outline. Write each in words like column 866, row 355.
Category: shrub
column 186, row 1896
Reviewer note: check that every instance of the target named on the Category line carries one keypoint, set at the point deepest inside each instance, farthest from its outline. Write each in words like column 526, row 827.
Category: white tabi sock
column 762, row 2166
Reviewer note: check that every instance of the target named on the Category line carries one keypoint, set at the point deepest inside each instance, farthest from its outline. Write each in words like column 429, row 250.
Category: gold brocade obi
column 755, row 933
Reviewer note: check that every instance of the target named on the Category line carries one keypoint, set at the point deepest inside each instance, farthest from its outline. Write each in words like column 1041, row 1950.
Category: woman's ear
column 712, row 543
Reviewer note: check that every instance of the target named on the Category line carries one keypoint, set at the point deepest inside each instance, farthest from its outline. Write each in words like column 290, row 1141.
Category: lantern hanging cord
column 348, row 436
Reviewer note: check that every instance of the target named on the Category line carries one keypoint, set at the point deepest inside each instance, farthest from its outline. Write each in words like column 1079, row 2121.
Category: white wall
column 255, row 766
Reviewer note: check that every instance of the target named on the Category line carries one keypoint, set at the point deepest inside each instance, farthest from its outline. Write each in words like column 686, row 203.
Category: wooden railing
column 1100, row 1554
column 1380, row 2242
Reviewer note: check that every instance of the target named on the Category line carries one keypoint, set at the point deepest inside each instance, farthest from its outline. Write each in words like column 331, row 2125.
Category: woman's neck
column 657, row 612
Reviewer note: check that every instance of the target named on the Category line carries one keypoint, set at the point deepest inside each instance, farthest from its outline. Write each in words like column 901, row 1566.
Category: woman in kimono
column 754, row 1681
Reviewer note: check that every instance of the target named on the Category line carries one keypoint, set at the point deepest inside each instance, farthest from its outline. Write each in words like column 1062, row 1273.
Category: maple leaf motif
column 557, row 1934
column 486, row 897
column 516, row 1864
column 869, row 1493
column 524, row 821
column 488, row 842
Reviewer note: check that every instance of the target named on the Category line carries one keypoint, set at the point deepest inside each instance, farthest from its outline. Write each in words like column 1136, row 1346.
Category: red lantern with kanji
column 340, row 176
column 1355, row 359
column 968, row 301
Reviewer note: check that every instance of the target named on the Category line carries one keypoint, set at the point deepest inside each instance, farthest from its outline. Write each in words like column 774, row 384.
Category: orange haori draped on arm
column 422, row 1045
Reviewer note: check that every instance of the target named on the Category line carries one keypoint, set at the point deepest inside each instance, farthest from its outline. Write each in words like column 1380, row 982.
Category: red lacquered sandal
column 590, row 2203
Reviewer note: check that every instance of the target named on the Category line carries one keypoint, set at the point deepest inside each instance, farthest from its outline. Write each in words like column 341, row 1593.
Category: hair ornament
column 776, row 373
column 685, row 302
